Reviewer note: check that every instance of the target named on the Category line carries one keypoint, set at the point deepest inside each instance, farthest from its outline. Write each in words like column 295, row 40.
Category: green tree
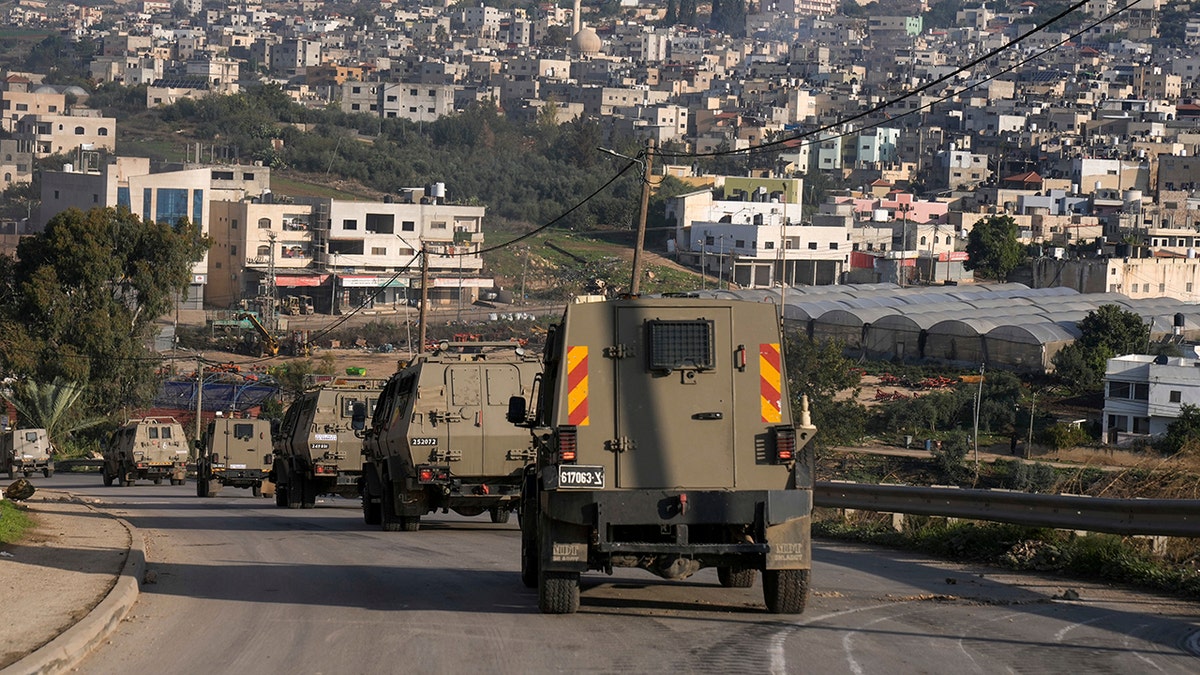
column 992, row 247
column 50, row 407
column 1106, row 332
column 80, row 301
column 820, row 371
column 1183, row 435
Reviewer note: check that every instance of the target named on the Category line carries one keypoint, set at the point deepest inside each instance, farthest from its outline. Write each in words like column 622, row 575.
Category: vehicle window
column 166, row 432
column 152, row 432
column 243, row 431
column 348, row 406
column 675, row 345
column 31, row 436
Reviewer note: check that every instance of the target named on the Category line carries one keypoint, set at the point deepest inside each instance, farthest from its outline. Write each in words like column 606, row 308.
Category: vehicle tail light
column 785, row 444
column 568, row 444
column 433, row 474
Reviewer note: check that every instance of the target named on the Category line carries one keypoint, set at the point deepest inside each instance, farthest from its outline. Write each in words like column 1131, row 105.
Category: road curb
column 65, row 651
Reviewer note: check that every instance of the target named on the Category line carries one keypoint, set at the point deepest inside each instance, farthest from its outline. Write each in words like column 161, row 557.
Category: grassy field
column 13, row 522
column 297, row 186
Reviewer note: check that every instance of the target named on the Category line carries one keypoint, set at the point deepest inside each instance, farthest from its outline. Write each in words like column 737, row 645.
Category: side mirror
column 516, row 410
column 215, row 458
column 358, row 416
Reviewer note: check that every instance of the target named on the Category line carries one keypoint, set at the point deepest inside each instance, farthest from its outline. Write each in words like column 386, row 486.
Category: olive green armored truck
column 234, row 453
column 665, row 440
column 439, row 437
column 316, row 451
column 148, row 448
column 26, row 452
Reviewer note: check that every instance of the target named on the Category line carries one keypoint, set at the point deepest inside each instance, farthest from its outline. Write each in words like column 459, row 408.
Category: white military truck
column 665, row 441
column 148, row 448
column 26, row 452
column 439, row 439
column 234, row 452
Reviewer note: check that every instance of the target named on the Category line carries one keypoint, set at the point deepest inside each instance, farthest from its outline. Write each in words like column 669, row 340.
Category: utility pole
column 524, row 271
column 635, row 287
column 1029, row 443
column 199, row 399
column 424, row 299
column 978, row 402
column 272, row 289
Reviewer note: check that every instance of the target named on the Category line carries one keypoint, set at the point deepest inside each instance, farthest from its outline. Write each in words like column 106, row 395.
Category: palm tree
column 49, row 407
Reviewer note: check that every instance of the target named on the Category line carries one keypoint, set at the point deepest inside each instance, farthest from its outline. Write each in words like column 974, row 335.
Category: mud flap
column 790, row 545
column 563, row 546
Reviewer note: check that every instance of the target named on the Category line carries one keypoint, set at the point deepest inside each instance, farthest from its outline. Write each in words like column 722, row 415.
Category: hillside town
column 1085, row 135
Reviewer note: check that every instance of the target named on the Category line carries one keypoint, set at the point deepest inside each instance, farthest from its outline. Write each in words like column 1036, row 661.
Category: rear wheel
column 785, row 591
column 281, row 496
column 48, row 471
column 736, row 577
column 202, row 486
column 529, row 561
column 158, row 480
column 372, row 510
column 308, row 488
column 499, row 513
column 558, row 592
column 107, row 477
column 293, row 491
column 256, row 490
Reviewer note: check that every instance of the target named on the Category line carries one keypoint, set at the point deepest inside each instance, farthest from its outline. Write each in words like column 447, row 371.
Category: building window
column 233, row 224
column 79, row 131
column 263, row 251
column 172, row 205
column 812, row 245
column 408, row 226
column 1118, row 390
column 264, row 223
column 833, row 246
column 437, row 226
column 1141, row 425
column 381, row 223
column 1141, row 391
column 102, row 131
column 233, row 249
column 769, row 245
column 378, row 250
column 1175, row 396
column 349, row 224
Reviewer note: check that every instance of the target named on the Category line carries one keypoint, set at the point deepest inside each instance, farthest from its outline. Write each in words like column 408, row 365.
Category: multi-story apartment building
column 252, row 238
column 47, row 134
column 18, row 98
column 1143, row 394
column 414, row 102
column 15, row 166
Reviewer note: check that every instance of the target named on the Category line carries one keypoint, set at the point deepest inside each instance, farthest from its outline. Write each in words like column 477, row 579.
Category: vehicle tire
column 202, row 487
column 108, row 479
column 372, row 510
column 48, row 471
column 388, row 519
column 410, row 523
column 28, row 474
column 529, row 561
column 785, row 591
column 295, row 493
column 158, row 480
column 256, row 490
column 736, row 577
column 558, row 592
column 281, row 496
column 308, row 497
column 499, row 513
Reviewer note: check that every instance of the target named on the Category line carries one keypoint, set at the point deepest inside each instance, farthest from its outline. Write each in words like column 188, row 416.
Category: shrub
column 1061, row 436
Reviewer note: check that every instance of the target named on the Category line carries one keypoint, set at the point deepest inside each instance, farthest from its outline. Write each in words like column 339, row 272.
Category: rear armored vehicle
column 26, row 452
column 665, row 441
column 439, row 438
column 234, row 453
column 150, row 448
column 316, row 451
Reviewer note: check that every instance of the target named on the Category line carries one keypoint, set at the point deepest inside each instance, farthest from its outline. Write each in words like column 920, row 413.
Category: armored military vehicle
column 235, row 453
column 150, row 448
column 315, row 449
column 665, row 440
column 439, row 438
column 26, row 452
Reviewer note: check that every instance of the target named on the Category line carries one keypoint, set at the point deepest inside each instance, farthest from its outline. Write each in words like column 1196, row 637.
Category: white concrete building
column 1143, row 394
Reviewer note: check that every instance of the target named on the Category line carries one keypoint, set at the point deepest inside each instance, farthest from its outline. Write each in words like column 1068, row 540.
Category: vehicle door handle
column 708, row 416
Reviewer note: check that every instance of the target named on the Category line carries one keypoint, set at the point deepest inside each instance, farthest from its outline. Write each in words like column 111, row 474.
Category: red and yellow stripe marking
column 770, row 384
column 577, row 386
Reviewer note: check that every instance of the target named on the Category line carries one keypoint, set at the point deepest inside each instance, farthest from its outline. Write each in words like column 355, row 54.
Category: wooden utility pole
column 639, row 244
column 424, row 299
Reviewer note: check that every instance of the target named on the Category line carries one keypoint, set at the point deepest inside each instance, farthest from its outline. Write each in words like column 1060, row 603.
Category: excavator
column 267, row 342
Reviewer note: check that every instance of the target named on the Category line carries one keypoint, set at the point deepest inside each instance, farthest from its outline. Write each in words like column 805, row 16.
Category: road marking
column 1058, row 637
column 776, row 647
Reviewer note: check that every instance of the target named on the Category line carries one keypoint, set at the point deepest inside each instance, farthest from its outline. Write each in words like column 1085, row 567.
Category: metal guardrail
column 1165, row 517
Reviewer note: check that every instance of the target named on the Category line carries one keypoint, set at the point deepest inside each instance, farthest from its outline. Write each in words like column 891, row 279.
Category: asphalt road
column 241, row 586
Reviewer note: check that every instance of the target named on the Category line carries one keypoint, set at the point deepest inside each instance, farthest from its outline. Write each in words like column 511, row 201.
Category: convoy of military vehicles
column 655, row 433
